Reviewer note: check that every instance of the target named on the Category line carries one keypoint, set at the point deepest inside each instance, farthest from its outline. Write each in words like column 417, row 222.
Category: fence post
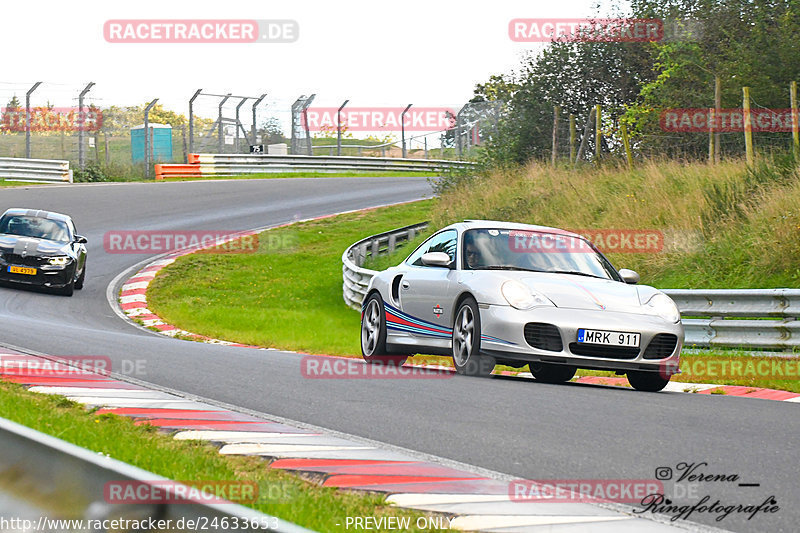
column 748, row 126
column 717, row 113
column 556, row 110
column 572, row 136
column 626, row 143
column 598, row 134
column 711, row 145
column 191, row 119
column 81, row 125
column 586, row 130
column 28, row 119
column 148, row 147
column 795, row 126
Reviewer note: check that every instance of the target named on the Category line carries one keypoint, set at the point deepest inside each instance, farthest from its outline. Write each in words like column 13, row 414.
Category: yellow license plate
column 22, row 270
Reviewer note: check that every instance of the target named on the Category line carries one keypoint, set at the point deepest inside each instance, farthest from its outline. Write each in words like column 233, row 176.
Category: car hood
column 580, row 292
column 32, row 246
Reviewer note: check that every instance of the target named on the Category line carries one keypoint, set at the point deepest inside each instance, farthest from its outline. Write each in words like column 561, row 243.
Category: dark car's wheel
column 79, row 283
column 467, row 341
column 552, row 373
column 373, row 334
column 647, row 381
column 67, row 289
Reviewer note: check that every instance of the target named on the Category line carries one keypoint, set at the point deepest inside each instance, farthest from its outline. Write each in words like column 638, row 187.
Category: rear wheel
column 552, row 373
column 467, row 342
column 647, row 381
column 373, row 334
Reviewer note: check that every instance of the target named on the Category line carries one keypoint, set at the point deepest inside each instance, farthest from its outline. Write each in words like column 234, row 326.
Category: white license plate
column 609, row 338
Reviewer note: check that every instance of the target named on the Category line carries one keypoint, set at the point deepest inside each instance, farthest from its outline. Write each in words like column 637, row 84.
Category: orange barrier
column 177, row 171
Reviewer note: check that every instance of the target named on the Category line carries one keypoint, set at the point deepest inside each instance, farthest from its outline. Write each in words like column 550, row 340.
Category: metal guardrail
column 740, row 317
column 35, row 170
column 355, row 278
column 40, row 475
column 210, row 165
column 736, row 318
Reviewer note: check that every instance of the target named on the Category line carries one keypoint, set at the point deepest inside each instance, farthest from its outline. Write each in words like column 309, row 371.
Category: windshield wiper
column 575, row 272
column 509, row 267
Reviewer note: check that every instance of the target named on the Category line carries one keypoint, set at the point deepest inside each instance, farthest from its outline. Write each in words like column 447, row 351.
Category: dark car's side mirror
column 80, row 239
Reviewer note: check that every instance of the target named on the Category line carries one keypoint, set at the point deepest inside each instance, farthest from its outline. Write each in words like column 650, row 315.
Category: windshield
column 38, row 227
column 504, row 249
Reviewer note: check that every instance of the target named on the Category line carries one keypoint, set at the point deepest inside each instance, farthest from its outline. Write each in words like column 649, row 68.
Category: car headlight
column 61, row 260
column 662, row 305
column 521, row 296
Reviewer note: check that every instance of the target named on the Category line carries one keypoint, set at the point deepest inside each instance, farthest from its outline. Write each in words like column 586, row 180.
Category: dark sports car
column 41, row 248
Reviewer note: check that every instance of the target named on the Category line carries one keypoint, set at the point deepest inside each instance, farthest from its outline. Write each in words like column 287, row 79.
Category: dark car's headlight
column 521, row 296
column 60, row 260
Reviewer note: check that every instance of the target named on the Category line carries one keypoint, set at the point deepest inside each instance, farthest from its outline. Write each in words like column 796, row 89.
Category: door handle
column 405, row 285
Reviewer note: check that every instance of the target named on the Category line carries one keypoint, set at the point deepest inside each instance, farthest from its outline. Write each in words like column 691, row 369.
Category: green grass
column 280, row 493
column 288, row 295
column 9, row 183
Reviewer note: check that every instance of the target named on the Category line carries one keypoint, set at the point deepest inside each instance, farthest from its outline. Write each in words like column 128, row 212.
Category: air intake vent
column 543, row 336
column 661, row 346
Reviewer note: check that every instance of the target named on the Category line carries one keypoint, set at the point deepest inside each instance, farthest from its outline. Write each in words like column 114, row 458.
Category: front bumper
column 503, row 336
column 55, row 278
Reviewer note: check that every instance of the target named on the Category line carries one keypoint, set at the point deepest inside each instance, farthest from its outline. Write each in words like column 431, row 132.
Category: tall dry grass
column 723, row 225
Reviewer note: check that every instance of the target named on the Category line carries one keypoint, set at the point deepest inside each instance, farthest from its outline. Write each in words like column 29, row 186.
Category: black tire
column 373, row 334
column 647, row 381
column 552, row 373
column 79, row 283
column 466, row 345
column 67, row 289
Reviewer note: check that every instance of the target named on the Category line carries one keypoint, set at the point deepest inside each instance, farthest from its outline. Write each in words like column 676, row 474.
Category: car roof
column 19, row 211
column 497, row 224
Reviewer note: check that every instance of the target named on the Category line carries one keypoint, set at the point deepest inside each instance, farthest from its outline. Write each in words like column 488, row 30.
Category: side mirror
column 437, row 259
column 629, row 276
column 80, row 239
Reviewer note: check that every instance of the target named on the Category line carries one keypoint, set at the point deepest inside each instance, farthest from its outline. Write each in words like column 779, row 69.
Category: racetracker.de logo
column 200, row 31
column 65, row 119
column 216, row 242
column 380, row 118
column 315, row 367
column 177, row 492
column 737, row 368
column 699, row 120
column 586, row 30
column 582, row 490
column 632, row 241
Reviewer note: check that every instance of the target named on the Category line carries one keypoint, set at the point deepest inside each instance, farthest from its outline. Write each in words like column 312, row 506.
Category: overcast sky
column 429, row 53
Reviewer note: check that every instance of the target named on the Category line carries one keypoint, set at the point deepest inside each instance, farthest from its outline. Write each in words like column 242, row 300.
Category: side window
column 441, row 242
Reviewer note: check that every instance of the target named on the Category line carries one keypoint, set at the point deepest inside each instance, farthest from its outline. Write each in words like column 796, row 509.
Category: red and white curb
column 468, row 501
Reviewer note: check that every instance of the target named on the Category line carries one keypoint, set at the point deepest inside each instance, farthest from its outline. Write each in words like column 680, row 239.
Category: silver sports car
column 490, row 293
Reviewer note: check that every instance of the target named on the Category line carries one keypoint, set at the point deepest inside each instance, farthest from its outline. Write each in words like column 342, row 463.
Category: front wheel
column 467, row 342
column 373, row 334
column 79, row 283
column 552, row 373
column 647, row 381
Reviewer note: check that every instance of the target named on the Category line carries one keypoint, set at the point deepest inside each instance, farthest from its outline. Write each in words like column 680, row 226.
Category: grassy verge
column 9, row 183
column 281, row 494
column 287, row 295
